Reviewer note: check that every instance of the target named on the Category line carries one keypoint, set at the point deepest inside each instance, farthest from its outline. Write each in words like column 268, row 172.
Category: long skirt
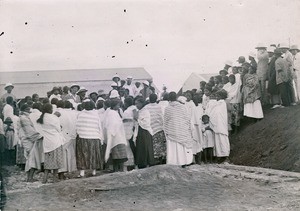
column 222, row 146
column 69, row 157
column 9, row 136
column 178, row 154
column 144, row 148
column 253, row 110
column 54, row 159
column 129, row 152
column 33, row 157
column 20, row 157
column 89, row 154
column 235, row 114
column 159, row 144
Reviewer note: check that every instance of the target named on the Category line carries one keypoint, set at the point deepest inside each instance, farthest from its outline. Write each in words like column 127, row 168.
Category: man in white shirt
column 296, row 69
column 130, row 86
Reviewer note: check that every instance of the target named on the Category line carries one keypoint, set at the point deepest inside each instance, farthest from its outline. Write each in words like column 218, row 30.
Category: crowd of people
column 132, row 127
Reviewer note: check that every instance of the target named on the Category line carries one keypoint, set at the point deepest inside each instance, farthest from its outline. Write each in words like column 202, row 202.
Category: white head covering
column 182, row 99
column 114, row 94
column 8, row 84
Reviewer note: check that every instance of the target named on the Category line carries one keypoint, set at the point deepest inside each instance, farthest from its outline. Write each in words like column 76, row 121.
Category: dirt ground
column 273, row 142
column 197, row 187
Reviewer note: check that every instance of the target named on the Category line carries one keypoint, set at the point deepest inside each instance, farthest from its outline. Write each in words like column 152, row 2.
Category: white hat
column 146, row 83
column 129, row 77
column 82, row 89
column 182, row 99
column 284, row 45
column 261, row 45
column 8, row 85
column 229, row 63
column 236, row 64
column 86, row 100
column 100, row 99
column 294, row 47
column 114, row 94
column 271, row 49
column 116, row 76
column 252, row 54
column 73, row 85
column 114, row 84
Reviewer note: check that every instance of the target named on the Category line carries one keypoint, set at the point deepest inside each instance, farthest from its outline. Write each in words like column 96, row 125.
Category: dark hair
column 100, row 104
column 128, row 101
column 47, row 108
column 37, row 106
column 60, row 104
column 54, row 101
column 27, row 98
column 172, row 96
column 113, row 103
column 107, row 103
column 153, row 98
column 166, row 97
column 34, row 95
column 68, row 104
column 9, row 100
column 45, row 100
column 140, row 100
column 80, row 107
column 24, row 107
column 205, row 116
column 89, row 105
column 222, row 94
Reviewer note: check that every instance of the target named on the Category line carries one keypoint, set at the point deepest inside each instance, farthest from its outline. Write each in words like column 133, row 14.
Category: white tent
column 193, row 81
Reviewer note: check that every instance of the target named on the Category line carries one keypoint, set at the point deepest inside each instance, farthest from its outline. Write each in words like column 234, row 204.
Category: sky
column 170, row 39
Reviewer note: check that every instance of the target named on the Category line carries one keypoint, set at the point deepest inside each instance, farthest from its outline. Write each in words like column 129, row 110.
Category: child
column 9, row 136
column 208, row 139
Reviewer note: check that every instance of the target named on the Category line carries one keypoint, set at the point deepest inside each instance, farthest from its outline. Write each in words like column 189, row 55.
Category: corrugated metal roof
column 40, row 82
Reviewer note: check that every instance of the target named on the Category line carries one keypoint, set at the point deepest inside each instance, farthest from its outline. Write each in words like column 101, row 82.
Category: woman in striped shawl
column 88, row 144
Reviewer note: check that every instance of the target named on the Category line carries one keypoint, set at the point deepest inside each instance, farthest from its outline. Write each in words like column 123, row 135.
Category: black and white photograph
column 149, row 105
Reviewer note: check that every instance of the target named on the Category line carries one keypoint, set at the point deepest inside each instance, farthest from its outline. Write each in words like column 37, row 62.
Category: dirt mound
column 273, row 142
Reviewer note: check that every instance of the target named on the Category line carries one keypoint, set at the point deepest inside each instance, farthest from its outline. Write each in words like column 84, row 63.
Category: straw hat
column 82, row 89
column 75, row 85
column 294, row 47
column 261, row 45
column 114, row 94
column 146, row 83
column 8, row 85
column 284, row 46
column 116, row 76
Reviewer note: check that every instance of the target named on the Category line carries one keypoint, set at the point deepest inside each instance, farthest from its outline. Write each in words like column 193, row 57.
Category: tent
column 40, row 82
column 193, row 81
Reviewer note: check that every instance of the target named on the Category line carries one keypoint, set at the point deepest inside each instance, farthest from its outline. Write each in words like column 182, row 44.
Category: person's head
column 211, row 79
column 223, row 73
column 172, row 96
column 294, row 49
column 139, row 103
column 89, row 105
column 114, row 85
column 116, row 78
column 241, row 60
column 205, row 119
column 128, row 102
column 277, row 53
column 166, row 97
column 122, row 92
column 27, row 98
column 235, row 70
column 55, row 90
column 246, row 68
column 126, row 92
column 129, row 80
column 164, row 88
column 146, row 84
column 221, row 94
column 30, row 103
column 45, row 100
column 35, row 98
column 207, row 91
column 137, row 84
column 9, row 87
column 188, row 96
column 106, row 104
column 153, row 98
column 225, row 79
column 81, row 93
column 10, row 100
column 54, row 101
column 65, row 90
column 94, row 96
column 68, row 104
column 115, row 104
column 218, row 79
column 100, row 103
column 80, row 107
column 25, row 108
column 231, row 79
column 37, row 106
column 202, row 84
column 197, row 99
column 74, row 89
column 123, row 83
column 47, row 108
column 60, row 104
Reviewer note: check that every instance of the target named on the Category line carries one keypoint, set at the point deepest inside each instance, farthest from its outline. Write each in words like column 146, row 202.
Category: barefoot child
column 208, row 139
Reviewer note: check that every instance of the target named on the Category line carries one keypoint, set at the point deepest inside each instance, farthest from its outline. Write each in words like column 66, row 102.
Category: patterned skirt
column 89, row 154
column 54, row 159
column 235, row 114
column 20, row 157
column 118, row 153
column 159, row 145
